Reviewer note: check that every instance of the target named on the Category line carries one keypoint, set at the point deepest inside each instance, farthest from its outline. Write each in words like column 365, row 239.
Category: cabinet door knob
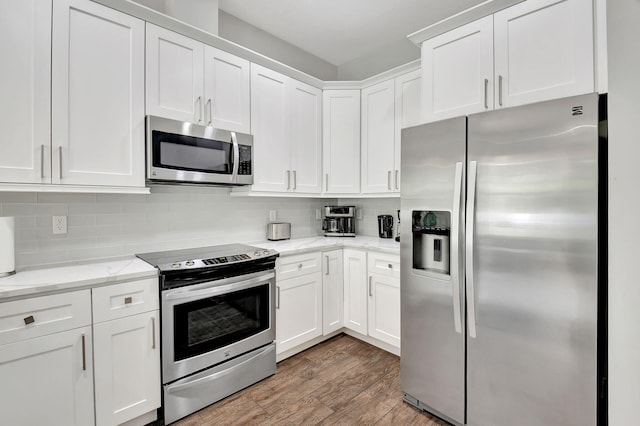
column 390, row 266
column 300, row 266
column 29, row 320
column 128, row 300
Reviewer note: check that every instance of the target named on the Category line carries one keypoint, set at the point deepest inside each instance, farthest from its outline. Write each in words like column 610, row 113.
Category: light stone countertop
column 49, row 280
column 306, row 245
column 57, row 279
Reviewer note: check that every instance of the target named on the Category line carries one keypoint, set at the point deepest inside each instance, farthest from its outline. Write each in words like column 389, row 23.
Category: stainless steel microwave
column 185, row 153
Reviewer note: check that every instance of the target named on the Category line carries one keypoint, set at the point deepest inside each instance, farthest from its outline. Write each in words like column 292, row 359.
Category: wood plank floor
column 342, row 381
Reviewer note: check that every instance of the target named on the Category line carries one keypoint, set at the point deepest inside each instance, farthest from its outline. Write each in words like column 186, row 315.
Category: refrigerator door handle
column 455, row 254
column 471, row 206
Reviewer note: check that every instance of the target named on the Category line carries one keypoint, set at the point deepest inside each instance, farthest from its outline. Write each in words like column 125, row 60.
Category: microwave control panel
column 244, row 167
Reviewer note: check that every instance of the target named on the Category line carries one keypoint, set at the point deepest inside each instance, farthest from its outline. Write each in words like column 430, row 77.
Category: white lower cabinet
column 355, row 290
column 319, row 294
column 126, row 351
column 47, row 377
column 332, row 291
column 384, row 298
column 53, row 362
column 48, row 380
column 298, row 300
column 127, row 374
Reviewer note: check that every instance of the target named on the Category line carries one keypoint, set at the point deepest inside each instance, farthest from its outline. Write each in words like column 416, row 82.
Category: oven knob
column 265, row 251
column 190, row 263
column 175, row 265
column 257, row 253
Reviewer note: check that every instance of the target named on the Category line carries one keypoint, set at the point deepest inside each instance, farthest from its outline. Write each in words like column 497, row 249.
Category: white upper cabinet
column 25, row 43
column 408, row 113
column 285, row 123
column 457, row 71
column 269, row 122
column 175, row 75
column 190, row 81
column 341, row 141
column 226, row 91
column 378, row 138
column 97, row 95
column 531, row 52
column 306, row 138
column 543, row 50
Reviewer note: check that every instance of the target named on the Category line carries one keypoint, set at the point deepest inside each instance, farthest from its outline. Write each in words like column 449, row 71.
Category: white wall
column 245, row 34
column 202, row 14
column 379, row 60
column 171, row 217
column 371, row 208
column 623, row 23
column 106, row 225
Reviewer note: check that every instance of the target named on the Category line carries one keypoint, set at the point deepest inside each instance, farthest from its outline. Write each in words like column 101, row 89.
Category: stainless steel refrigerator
column 503, row 264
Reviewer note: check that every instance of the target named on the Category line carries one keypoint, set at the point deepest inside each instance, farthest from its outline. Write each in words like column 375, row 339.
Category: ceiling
column 339, row 31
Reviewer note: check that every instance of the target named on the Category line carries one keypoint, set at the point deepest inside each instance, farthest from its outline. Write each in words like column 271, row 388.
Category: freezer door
column 432, row 290
column 532, row 281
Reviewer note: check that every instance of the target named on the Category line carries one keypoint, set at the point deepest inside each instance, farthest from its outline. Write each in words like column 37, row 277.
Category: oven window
column 214, row 322
column 190, row 153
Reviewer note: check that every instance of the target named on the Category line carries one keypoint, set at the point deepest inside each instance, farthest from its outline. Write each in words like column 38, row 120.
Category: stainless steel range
column 218, row 323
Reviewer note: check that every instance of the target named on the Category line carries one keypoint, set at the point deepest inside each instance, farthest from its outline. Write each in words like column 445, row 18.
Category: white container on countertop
column 7, row 246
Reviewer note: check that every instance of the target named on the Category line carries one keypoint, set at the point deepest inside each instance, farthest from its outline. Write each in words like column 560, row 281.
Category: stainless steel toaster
column 278, row 231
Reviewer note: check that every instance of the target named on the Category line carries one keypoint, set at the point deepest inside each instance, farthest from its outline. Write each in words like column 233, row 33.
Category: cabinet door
column 341, row 141
column 226, row 91
column 543, row 50
column 269, row 126
column 457, row 71
column 25, row 43
column 97, row 95
column 48, row 380
column 332, row 291
column 408, row 113
column 298, row 310
column 175, row 75
column 127, row 373
column 378, row 137
column 306, row 138
column 355, row 290
column 384, row 308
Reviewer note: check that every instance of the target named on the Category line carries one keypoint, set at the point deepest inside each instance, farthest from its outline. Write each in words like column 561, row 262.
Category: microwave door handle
column 236, row 158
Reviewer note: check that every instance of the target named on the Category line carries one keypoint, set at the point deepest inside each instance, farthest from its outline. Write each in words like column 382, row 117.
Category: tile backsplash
column 108, row 225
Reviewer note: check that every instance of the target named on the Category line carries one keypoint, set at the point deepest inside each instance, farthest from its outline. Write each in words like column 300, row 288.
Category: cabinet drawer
column 384, row 264
column 121, row 300
column 39, row 316
column 297, row 265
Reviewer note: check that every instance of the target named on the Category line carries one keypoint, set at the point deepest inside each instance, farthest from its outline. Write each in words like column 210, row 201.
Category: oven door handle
column 216, row 287
column 178, row 387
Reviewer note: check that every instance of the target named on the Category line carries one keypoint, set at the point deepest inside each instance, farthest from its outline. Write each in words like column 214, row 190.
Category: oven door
column 208, row 323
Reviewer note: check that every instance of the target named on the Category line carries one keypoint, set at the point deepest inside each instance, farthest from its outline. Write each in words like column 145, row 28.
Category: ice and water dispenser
column 431, row 230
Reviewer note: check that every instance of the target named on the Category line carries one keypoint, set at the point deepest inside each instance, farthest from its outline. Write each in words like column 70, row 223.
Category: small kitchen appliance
column 186, row 153
column 278, row 231
column 385, row 226
column 218, row 323
column 339, row 221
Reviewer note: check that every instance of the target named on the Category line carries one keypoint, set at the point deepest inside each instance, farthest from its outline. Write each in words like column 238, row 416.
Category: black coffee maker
column 385, row 226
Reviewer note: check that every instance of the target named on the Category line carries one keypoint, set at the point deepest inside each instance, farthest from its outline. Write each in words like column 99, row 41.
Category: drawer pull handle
column 390, row 266
column 128, row 300
column 300, row 266
column 29, row 320
column 84, row 354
